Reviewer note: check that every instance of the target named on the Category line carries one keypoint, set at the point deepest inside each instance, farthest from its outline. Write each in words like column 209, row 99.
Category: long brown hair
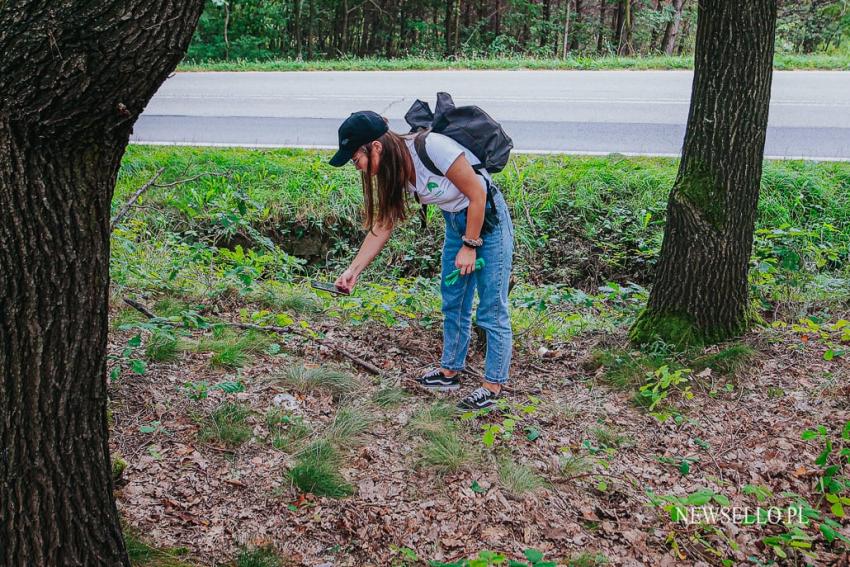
column 384, row 193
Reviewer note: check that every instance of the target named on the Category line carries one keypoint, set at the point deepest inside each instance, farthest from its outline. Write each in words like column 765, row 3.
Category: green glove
column 452, row 278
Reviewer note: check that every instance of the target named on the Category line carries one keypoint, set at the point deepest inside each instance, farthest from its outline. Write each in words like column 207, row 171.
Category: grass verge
column 571, row 63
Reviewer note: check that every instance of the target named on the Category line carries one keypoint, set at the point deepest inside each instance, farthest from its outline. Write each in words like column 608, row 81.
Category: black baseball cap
column 358, row 130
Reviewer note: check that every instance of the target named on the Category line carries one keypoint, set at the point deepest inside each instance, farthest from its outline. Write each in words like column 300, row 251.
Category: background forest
column 331, row 29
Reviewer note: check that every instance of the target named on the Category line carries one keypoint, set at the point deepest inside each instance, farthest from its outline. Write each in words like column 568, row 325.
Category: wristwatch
column 473, row 243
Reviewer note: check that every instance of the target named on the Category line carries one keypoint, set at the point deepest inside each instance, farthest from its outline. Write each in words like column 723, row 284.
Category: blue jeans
column 492, row 285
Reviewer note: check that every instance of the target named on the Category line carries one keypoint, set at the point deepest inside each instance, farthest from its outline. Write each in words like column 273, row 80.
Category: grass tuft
column 442, row 448
column 143, row 555
column 317, row 471
column 170, row 307
column 727, row 361
column 287, row 430
column 611, row 437
column 274, row 295
column 389, row 396
column 227, row 424
column 571, row 465
column 587, row 559
column 258, row 557
column 518, row 478
column 331, row 380
column 348, row 425
column 231, row 349
column 625, row 370
column 162, row 347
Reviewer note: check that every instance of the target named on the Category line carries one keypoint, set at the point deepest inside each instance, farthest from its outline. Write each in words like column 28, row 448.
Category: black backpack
column 469, row 126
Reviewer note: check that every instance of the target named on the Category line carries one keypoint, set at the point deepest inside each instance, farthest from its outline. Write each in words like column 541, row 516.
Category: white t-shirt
column 437, row 189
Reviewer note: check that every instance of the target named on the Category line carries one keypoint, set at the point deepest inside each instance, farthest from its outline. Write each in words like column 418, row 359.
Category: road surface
column 580, row 112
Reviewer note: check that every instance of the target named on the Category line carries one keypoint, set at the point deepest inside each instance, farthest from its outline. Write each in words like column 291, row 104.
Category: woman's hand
column 347, row 280
column 465, row 260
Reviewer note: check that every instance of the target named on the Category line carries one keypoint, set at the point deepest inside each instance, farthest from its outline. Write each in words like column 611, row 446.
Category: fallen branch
column 139, row 192
column 365, row 365
column 119, row 216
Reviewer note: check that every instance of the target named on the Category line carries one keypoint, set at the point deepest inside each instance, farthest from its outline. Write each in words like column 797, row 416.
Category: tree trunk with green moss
column 700, row 290
column 74, row 77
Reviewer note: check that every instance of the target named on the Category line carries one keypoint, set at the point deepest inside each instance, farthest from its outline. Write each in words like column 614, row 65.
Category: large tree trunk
column 700, row 290
column 600, row 36
column 574, row 45
column 625, row 46
column 69, row 96
column 671, row 32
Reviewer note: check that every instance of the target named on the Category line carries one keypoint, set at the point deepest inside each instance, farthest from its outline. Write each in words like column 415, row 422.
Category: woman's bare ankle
column 447, row 372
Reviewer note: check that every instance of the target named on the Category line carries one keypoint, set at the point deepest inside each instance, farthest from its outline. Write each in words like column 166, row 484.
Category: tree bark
column 700, row 290
column 625, row 46
column 579, row 20
column 566, row 46
column 672, row 29
column 296, row 16
column 600, row 37
column 69, row 96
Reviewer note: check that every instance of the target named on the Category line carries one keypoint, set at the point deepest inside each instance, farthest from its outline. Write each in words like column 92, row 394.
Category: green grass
column 625, row 369
column 726, row 361
column 781, row 61
column 231, row 349
column 162, row 347
column 227, row 425
column 571, row 465
column 441, row 447
column 126, row 316
column 348, row 426
column 258, row 557
column 280, row 297
column 143, row 555
column 587, row 559
column 317, row 471
column 389, row 396
column 287, row 431
column 170, row 307
column 336, row 382
column 611, row 437
column 575, row 218
column 518, row 478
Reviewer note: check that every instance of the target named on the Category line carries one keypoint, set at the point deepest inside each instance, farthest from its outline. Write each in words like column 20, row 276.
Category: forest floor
column 588, row 475
column 252, row 448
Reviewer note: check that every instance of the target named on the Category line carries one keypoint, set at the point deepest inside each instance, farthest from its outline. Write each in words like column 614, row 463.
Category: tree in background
column 700, row 291
column 266, row 29
column 74, row 77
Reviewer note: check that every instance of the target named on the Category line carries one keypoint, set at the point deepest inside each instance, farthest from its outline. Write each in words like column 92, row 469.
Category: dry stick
column 367, row 366
column 123, row 212
column 152, row 183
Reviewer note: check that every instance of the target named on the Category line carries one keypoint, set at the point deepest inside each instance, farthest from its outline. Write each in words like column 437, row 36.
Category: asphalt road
column 629, row 112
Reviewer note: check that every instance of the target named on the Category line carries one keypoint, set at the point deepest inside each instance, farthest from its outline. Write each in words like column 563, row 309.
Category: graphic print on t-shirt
column 438, row 190
column 434, row 188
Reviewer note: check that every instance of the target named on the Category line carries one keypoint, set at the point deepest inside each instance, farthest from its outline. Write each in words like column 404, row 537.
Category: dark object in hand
column 329, row 287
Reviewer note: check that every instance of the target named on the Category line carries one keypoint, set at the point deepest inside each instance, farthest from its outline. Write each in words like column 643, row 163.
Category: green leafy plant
column 659, row 385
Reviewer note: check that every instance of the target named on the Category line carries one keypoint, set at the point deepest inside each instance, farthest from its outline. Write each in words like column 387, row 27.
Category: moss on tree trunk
column 700, row 294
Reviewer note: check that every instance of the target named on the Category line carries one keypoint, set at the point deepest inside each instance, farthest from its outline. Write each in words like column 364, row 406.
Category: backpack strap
column 419, row 145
